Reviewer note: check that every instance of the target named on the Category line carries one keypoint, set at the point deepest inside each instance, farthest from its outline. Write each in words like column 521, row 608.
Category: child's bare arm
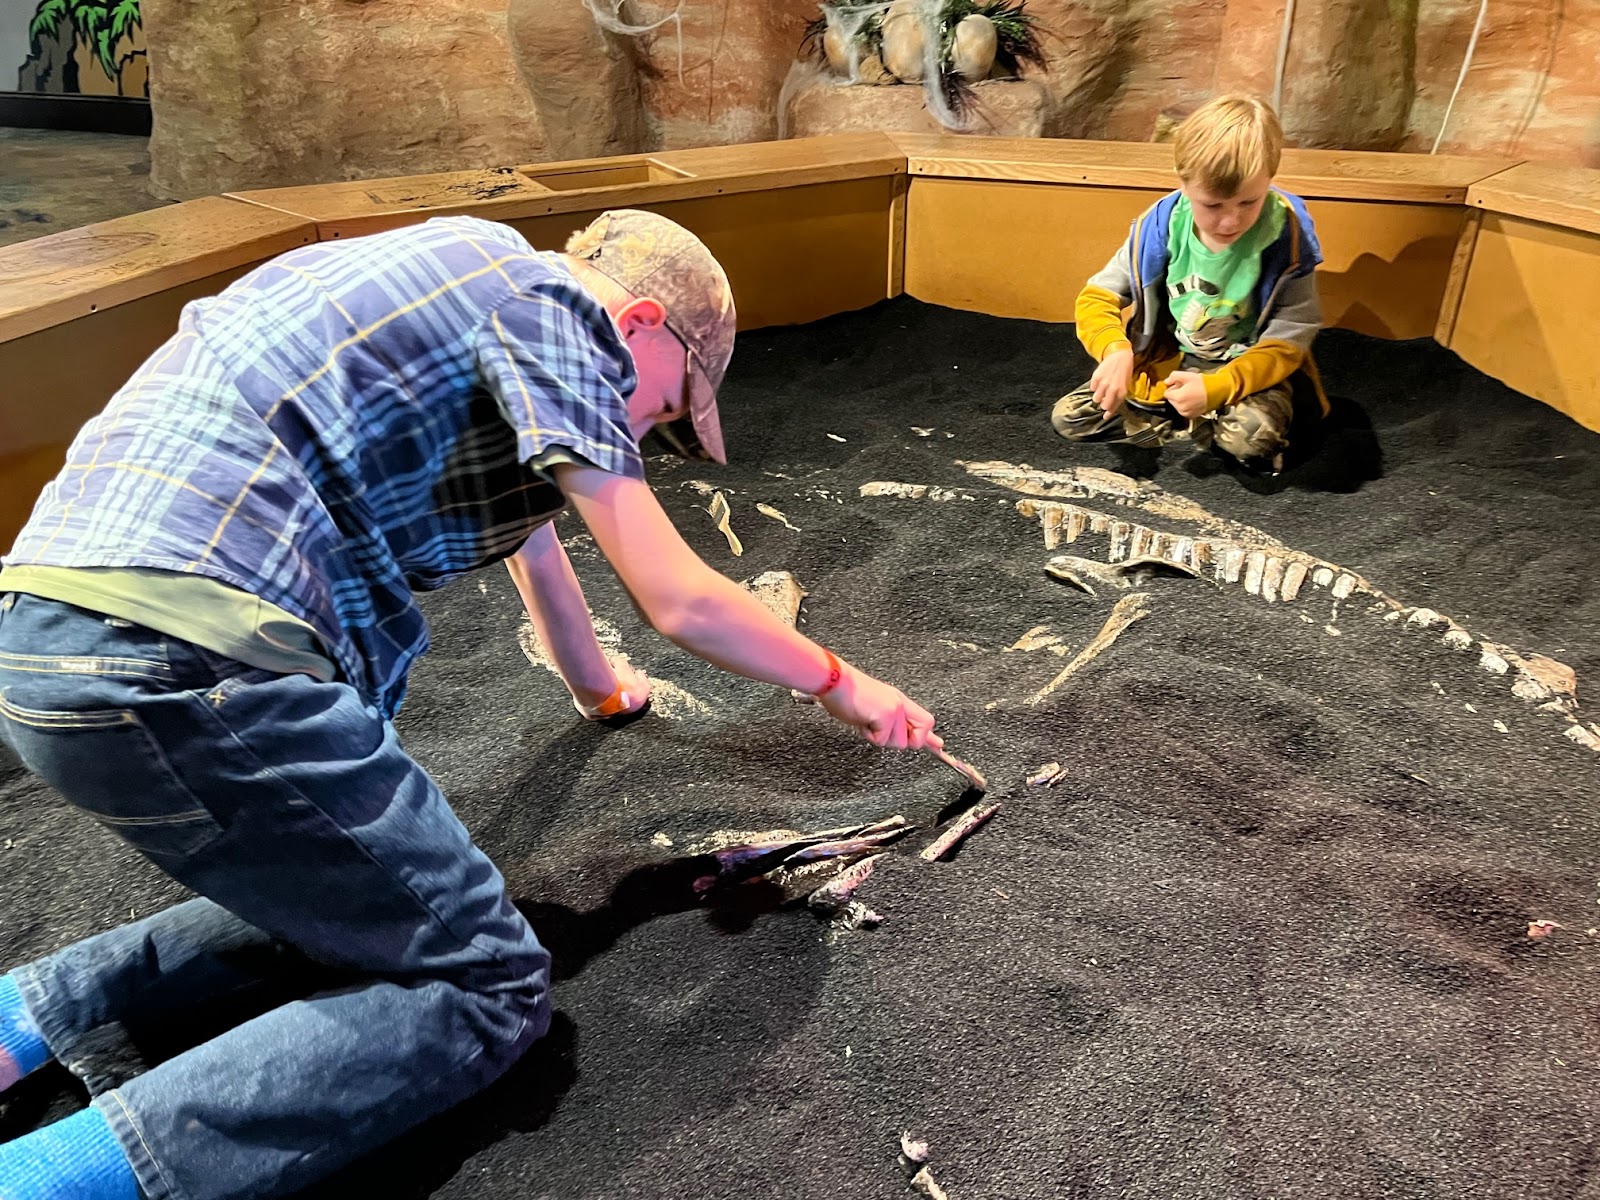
column 554, row 600
column 712, row 617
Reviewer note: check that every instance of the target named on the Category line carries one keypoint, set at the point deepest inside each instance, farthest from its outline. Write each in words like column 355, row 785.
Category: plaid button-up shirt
column 347, row 424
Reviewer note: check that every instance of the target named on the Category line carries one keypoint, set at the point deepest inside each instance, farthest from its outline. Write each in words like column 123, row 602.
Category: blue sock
column 22, row 1049
column 75, row 1159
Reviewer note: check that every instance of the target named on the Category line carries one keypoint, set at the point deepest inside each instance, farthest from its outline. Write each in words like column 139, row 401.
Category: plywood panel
column 795, row 254
column 1039, row 160
column 367, row 206
column 22, row 478
column 1567, row 196
column 1523, row 318
column 1012, row 249
column 1451, row 304
column 1385, row 266
column 897, row 235
column 835, row 156
column 1332, row 174
column 1025, row 249
column 68, row 275
column 57, row 378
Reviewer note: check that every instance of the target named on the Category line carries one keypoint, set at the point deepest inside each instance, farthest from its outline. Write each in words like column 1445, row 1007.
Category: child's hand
column 632, row 693
column 1186, row 392
column 885, row 715
column 1112, row 379
column 634, row 682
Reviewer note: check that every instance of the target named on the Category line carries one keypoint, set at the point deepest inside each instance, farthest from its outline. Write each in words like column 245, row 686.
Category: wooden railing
column 1489, row 256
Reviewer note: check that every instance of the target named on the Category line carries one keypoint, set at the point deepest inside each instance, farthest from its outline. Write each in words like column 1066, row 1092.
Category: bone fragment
column 766, row 510
column 1272, row 579
column 723, row 516
column 1254, row 567
column 960, row 829
column 973, row 776
column 1048, row 775
column 1294, row 577
column 1129, row 609
column 840, row 890
column 908, row 491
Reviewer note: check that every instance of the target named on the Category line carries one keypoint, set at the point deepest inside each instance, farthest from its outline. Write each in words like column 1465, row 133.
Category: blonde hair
column 1227, row 141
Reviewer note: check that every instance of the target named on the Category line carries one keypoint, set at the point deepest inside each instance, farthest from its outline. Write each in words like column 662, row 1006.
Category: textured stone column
column 584, row 80
column 1351, row 74
column 735, row 56
column 262, row 93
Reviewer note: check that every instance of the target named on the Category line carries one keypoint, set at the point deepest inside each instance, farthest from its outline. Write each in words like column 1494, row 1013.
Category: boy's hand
column 1112, row 379
column 632, row 681
column 885, row 715
column 1186, row 392
column 633, row 684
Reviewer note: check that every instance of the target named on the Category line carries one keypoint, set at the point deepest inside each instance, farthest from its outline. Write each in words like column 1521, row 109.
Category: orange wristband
column 609, row 707
column 835, row 675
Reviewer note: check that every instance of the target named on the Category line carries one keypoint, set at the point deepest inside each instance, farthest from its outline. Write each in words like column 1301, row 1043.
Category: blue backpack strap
column 1152, row 252
column 1294, row 251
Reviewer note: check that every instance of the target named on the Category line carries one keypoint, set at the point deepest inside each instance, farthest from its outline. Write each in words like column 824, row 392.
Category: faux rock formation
column 972, row 52
column 1532, row 91
column 904, row 42
column 848, row 58
column 584, row 80
column 249, row 95
column 947, row 47
column 734, row 56
column 299, row 92
column 1363, row 103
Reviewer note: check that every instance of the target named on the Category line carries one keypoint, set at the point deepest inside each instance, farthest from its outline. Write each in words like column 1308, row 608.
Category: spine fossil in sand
column 1237, row 554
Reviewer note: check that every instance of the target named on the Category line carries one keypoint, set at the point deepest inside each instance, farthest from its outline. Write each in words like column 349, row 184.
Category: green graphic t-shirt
column 1212, row 295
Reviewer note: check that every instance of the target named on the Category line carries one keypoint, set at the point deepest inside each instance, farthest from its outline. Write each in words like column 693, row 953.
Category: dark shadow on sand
column 1340, row 454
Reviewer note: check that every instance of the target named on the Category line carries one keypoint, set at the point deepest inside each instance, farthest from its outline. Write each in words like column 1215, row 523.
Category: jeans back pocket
column 106, row 762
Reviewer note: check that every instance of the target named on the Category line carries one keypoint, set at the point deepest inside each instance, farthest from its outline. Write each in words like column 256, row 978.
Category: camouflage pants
column 1253, row 430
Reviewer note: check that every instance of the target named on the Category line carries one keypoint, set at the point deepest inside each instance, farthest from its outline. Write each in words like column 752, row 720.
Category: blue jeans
column 290, row 806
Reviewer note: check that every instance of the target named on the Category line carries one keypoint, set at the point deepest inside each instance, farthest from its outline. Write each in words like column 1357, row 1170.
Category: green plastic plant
column 101, row 24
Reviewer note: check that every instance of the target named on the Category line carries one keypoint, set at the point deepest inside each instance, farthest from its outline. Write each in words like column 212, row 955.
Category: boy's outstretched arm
column 554, row 600
column 712, row 617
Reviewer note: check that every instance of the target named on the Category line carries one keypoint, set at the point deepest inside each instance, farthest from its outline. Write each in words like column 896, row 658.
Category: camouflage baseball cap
column 652, row 256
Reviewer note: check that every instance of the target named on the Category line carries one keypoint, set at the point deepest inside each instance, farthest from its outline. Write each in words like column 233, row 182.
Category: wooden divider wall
column 1485, row 255
column 804, row 230
column 1521, row 312
column 1388, row 223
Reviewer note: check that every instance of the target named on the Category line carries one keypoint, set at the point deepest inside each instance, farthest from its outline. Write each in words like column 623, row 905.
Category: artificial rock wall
column 253, row 93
